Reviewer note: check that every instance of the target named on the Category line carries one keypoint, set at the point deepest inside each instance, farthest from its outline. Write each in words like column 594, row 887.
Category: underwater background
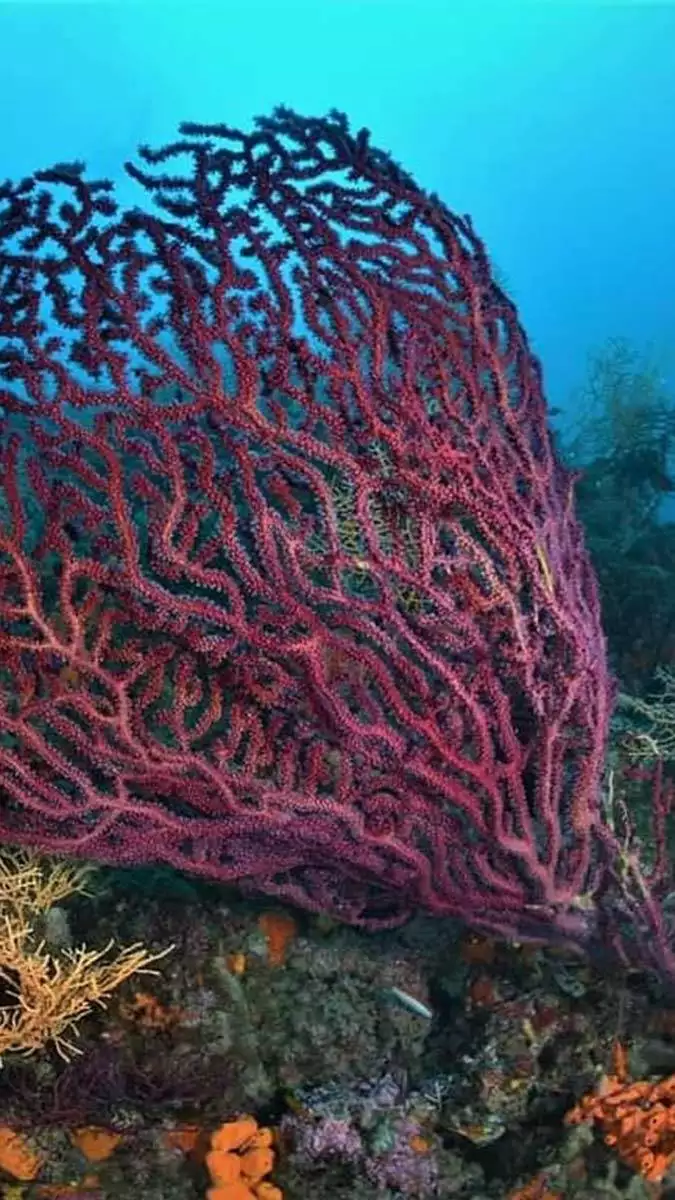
column 168, row 1036
column 549, row 123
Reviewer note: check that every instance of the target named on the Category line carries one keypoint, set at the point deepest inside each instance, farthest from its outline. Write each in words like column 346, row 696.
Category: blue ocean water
column 550, row 123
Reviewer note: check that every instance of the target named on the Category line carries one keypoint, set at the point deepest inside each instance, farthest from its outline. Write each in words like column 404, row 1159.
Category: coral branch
column 293, row 592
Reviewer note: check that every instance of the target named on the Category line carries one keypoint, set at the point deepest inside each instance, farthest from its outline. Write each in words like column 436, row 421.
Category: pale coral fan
column 48, row 993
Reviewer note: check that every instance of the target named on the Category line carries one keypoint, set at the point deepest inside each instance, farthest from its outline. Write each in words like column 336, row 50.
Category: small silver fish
column 410, row 1002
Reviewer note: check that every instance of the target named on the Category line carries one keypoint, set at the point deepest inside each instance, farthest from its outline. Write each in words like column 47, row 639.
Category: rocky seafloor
column 423, row 1062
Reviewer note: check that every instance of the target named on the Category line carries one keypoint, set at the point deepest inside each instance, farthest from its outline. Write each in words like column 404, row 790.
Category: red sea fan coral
column 293, row 592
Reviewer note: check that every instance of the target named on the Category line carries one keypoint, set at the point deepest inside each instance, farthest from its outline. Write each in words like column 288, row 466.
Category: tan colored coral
column 35, row 884
column 52, row 993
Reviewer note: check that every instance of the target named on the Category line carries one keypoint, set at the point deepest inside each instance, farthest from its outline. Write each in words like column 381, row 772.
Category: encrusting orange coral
column 279, row 930
column 95, row 1143
column 638, row 1119
column 240, row 1156
column 16, row 1156
column 536, row 1189
column 146, row 1012
column 237, row 963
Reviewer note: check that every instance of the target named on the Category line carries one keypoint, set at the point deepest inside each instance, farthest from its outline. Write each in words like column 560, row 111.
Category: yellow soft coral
column 51, row 993
column 32, row 884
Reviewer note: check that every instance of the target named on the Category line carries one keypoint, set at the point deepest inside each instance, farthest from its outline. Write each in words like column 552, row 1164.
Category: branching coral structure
column 46, row 994
column 293, row 590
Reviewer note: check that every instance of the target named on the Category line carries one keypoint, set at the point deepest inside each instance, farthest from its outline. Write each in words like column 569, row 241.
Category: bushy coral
column 45, row 996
